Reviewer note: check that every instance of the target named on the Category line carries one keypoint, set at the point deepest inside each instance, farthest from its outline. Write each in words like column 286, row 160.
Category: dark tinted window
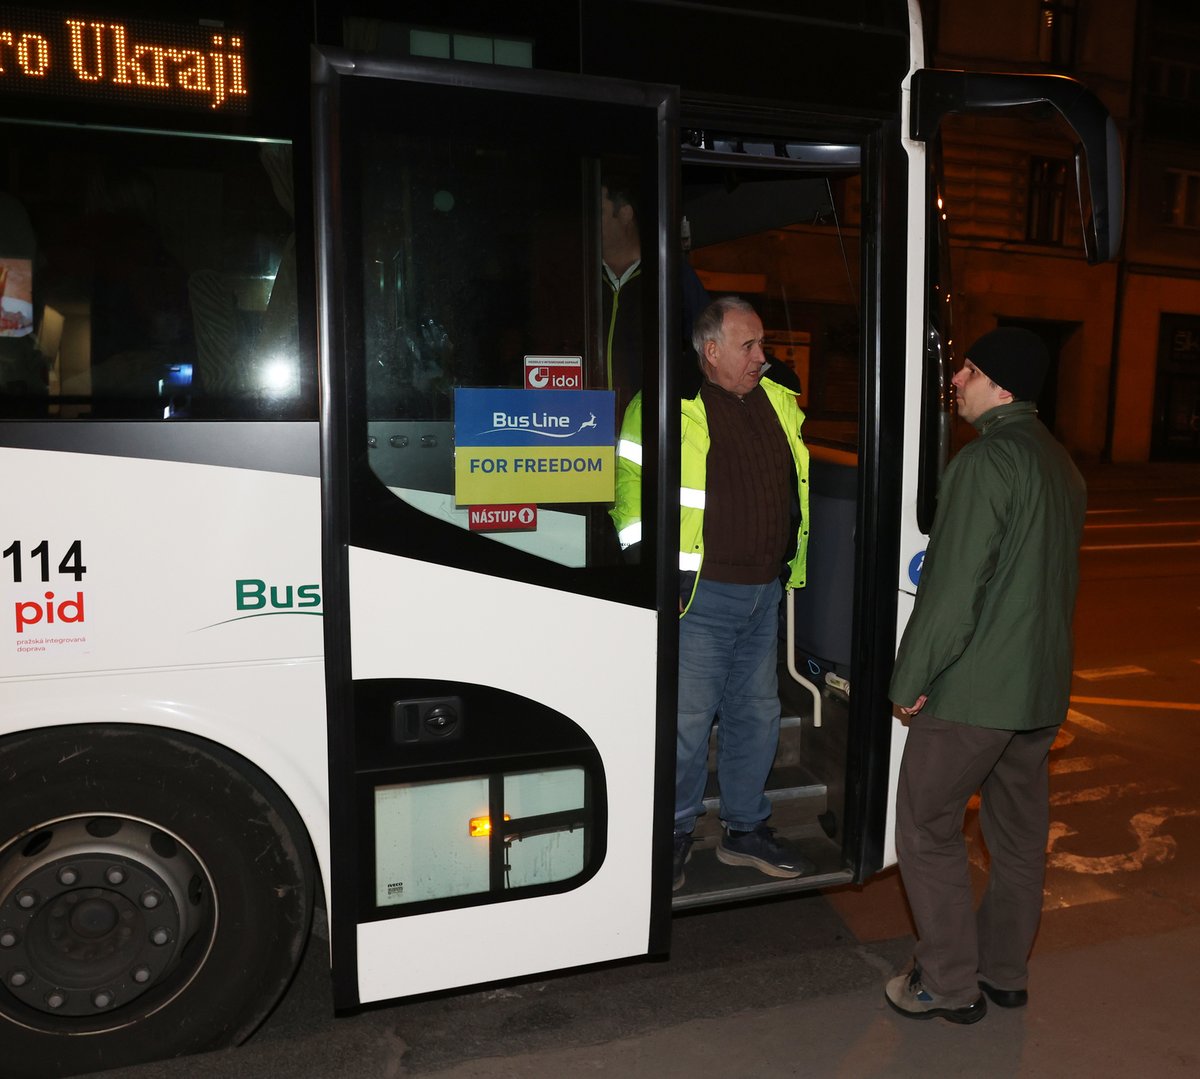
column 497, row 367
column 148, row 277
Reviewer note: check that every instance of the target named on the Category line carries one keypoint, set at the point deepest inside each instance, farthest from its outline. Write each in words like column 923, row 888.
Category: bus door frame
column 349, row 833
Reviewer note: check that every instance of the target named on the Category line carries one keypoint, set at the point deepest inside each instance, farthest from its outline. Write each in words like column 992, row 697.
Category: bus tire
column 155, row 898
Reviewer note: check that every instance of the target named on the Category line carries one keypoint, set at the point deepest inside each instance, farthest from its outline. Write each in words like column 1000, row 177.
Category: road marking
column 1146, row 524
column 1136, row 546
column 1116, row 702
column 1109, row 792
column 1094, row 674
column 1064, row 737
column 1064, row 892
column 1088, row 723
column 1085, row 764
column 1152, row 849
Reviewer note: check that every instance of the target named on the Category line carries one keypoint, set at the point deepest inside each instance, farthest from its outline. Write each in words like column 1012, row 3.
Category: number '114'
column 70, row 565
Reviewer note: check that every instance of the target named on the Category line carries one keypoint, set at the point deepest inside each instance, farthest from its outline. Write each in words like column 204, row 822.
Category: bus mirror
column 1098, row 158
column 1086, row 213
column 1101, row 195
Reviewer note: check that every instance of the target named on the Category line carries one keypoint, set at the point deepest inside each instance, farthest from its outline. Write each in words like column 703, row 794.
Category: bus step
column 779, row 796
column 709, row 881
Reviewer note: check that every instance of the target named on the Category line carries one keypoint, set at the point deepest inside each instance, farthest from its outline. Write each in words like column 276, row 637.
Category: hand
column 913, row 708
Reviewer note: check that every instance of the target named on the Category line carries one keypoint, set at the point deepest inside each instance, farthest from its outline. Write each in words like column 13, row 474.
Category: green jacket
column 989, row 641
column 627, row 509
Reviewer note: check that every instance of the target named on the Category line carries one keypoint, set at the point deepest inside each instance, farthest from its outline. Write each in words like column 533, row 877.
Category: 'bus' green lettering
column 251, row 595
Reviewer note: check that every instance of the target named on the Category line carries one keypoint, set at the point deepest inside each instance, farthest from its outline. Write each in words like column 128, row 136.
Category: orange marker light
column 478, row 827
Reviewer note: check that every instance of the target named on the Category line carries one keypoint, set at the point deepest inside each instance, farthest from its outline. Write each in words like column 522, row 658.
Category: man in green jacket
column 983, row 674
column 743, row 535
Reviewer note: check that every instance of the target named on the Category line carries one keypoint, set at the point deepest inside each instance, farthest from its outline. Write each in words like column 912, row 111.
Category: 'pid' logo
column 32, row 612
column 41, row 562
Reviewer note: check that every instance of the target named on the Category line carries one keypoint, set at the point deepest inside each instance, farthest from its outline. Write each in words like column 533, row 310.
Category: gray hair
column 709, row 322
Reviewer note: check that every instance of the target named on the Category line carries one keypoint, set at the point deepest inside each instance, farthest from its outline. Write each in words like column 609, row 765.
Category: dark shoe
column 1005, row 998
column 910, row 998
column 761, row 850
column 682, row 854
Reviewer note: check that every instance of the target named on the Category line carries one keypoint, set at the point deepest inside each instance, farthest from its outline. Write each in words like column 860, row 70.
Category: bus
column 307, row 439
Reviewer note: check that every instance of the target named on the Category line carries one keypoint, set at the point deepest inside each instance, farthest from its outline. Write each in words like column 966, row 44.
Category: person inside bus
column 138, row 311
column 23, row 371
column 623, row 289
column 743, row 537
column 983, row 675
column 621, row 252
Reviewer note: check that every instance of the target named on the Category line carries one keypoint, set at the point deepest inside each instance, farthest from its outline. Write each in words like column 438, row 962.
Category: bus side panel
column 593, row 677
column 899, row 737
column 912, row 539
column 146, row 563
column 272, row 714
column 191, row 602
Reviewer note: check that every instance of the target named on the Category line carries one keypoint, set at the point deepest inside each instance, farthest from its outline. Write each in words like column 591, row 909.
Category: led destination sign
column 122, row 61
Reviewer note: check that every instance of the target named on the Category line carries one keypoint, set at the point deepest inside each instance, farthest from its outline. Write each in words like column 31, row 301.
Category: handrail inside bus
column 712, row 148
column 813, row 689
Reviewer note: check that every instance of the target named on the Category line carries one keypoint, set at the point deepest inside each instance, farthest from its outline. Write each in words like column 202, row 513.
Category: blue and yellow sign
column 534, row 446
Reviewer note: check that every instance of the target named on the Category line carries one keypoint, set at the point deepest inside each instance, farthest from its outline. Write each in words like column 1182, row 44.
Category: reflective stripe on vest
column 630, row 450
column 630, row 535
column 689, row 562
column 691, row 498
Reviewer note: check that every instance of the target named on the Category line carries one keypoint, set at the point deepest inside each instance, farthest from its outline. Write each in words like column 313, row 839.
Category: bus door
column 500, row 675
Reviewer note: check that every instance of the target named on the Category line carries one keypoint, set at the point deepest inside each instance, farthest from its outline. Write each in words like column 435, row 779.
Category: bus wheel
column 155, row 898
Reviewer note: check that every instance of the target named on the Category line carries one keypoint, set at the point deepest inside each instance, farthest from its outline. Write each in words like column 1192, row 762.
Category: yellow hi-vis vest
column 627, row 509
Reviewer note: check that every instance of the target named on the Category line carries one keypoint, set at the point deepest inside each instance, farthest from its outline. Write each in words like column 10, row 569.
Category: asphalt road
column 1125, row 809
column 793, row 987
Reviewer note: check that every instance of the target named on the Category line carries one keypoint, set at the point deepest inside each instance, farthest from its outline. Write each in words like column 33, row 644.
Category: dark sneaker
column 761, row 850
column 910, row 998
column 1005, row 998
column 682, row 855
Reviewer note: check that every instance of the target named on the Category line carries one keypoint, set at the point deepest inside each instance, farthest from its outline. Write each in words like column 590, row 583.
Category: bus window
column 163, row 279
column 936, row 418
column 490, row 403
column 434, row 838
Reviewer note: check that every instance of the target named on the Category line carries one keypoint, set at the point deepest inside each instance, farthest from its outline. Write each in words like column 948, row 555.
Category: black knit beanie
column 1013, row 358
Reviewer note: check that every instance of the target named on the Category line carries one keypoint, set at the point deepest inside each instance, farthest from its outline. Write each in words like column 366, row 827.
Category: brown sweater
column 747, row 491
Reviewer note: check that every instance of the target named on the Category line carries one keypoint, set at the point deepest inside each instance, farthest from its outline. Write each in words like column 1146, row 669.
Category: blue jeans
column 728, row 643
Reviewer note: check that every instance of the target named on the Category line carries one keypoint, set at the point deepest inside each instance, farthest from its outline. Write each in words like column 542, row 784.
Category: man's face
column 612, row 227
column 976, row 393
column 736, row 359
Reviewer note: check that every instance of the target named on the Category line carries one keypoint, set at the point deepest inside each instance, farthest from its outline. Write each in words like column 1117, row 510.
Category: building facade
column 1124, row 337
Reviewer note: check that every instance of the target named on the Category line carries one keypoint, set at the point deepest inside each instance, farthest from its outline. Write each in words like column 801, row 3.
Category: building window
column 1181, row 204
column 1047, row 200
column 1176, row 79
column 1056, row 32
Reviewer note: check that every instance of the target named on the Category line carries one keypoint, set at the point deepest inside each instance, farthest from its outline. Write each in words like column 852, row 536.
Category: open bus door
column 500, row 679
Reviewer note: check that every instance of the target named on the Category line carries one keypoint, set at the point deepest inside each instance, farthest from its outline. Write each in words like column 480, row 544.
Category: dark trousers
column 944, row 765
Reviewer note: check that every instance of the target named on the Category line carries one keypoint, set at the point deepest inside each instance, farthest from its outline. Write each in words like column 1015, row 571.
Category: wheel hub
column 95, row 912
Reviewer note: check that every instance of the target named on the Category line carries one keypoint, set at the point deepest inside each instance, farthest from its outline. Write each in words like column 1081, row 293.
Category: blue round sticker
column 914, row 567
